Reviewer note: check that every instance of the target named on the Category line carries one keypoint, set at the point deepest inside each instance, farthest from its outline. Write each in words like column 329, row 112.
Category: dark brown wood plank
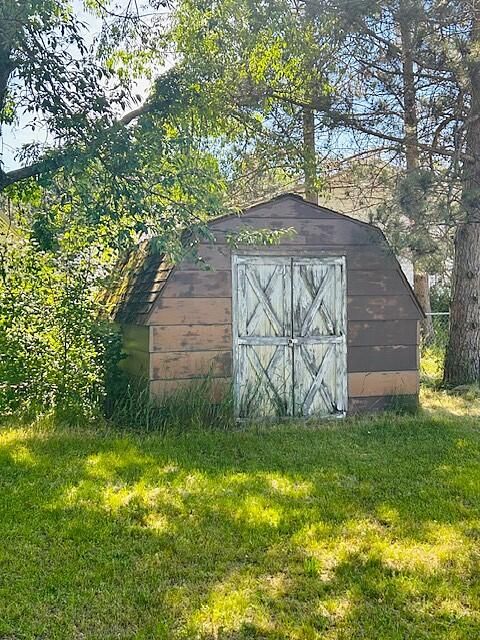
column 287, row 207
column 383, row 333
column 190, row 364
column 308, row 232
column 364, row 257
column 198, row 284
column 191, row 337
column 382, row 308
column 375, row 282
column 210, row 256
column 375, row 358
column 181, row 311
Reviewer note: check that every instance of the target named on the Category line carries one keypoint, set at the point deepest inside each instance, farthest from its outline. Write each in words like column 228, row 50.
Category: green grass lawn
column 357, row 529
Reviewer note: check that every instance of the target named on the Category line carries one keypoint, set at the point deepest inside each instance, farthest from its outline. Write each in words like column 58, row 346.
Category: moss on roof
column 140, row 276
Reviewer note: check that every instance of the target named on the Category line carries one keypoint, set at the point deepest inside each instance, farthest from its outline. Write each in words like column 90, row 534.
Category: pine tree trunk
column 421, row 287
column 409, row 92
column 309, row 156
column 420, row 278
column 462, row 365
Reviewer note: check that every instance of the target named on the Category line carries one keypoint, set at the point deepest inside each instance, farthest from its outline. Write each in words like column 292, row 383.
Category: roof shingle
column 141, row 276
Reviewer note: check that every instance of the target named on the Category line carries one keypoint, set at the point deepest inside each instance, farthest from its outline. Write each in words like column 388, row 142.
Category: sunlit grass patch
column 232, row 604
column 432, row 364
column 449, row 403
column 366, row 528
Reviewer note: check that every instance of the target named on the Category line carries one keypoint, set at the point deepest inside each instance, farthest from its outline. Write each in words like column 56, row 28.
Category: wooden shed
column 323, row 323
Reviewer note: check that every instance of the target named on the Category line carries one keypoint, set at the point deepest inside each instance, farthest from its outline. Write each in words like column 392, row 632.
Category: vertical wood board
column 319, row 328
column 289, row 335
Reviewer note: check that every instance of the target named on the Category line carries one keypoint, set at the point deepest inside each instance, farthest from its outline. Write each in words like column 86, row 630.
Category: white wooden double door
column 289, row 336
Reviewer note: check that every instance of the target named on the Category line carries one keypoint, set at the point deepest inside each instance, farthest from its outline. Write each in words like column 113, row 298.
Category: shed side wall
column 136, row 343
column 191, row 333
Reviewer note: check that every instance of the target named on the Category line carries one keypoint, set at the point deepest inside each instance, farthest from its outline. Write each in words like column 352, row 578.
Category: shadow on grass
column 366, row 529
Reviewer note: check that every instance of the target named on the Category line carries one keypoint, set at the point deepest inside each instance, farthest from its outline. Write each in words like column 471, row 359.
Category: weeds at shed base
column 189, row 408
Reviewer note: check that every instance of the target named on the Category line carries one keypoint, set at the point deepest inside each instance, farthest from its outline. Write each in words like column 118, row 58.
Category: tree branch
column 353, row 123
column 59, row 158
column 435, row 150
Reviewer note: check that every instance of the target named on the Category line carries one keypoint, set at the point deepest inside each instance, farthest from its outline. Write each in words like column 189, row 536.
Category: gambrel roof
column 143, row 274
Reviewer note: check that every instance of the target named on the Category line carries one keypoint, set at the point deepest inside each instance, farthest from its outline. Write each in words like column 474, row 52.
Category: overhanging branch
column 58, row 159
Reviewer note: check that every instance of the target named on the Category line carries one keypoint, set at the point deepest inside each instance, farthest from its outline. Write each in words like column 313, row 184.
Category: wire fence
column 436, row 333
column 433, row 344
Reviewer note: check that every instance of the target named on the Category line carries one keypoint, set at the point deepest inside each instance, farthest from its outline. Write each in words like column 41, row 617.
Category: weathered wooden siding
column 382, row 358
column 382, row 383
column 136, row 345
column 190, row 332
column 199, row 311
column 362, row 257
column 218, row 387
column 209, row 337
column 177, row 365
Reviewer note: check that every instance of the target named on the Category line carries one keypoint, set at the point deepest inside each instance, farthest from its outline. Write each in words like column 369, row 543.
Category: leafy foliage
column 48, row 357
column 112, row 183
column 417, row 220
column 58, row 80
column 258, row 65
column 155, row 181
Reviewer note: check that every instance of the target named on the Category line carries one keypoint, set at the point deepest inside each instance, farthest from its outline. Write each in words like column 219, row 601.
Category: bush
column 431, row 364
column 51, row 353
column 115, row 382
column 440, row 298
